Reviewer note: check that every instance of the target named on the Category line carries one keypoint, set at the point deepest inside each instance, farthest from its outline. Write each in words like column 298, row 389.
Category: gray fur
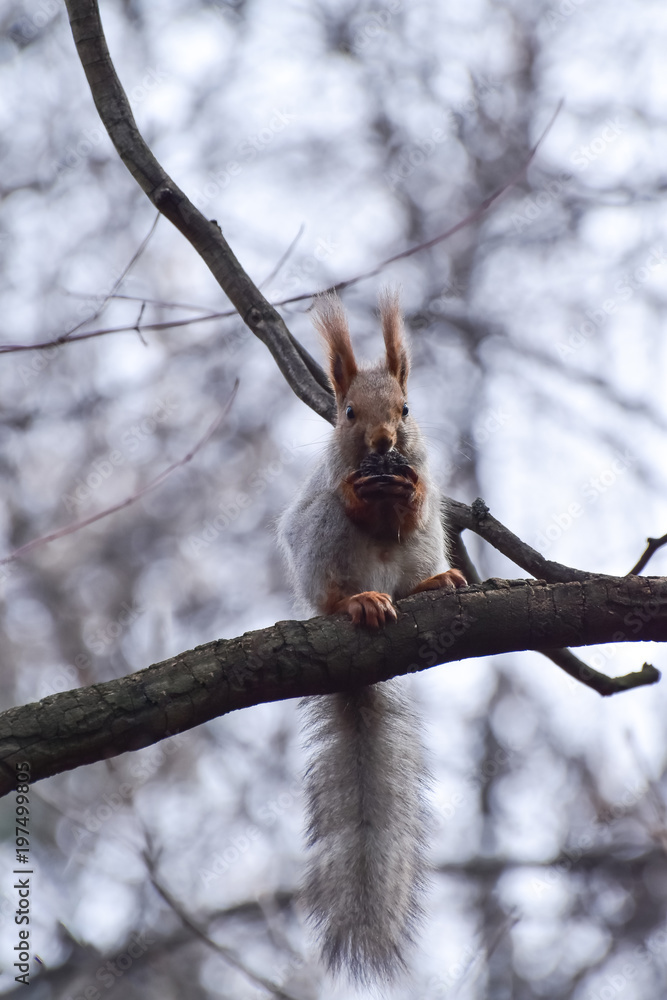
column 366, row 828
column 365, row 783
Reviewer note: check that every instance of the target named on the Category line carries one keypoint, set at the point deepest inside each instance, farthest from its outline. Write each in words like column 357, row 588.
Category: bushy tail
column 365, row 791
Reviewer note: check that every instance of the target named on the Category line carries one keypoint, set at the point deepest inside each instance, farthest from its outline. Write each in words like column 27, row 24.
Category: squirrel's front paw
column 442, row 581
column 370, row 608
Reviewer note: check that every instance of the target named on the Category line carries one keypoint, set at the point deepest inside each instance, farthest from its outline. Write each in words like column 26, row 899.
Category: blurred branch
column 73, row 338
column 624, row 860
column 153, row 945
column 228, row 954
column 653, row 545
column 296, row 659
column 304, row 375
column 459, row 555
column 468, row 220
column 117, row 283
column 128, row 501
column 285, row 257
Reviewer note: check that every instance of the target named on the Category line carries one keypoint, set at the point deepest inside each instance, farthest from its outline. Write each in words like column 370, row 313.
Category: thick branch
column 302, row 372
column 459, row 516
column 292, row 659
column 478, row 519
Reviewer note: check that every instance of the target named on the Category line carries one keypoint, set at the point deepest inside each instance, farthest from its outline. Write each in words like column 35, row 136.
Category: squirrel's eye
column 349, row 413
column 406, row 409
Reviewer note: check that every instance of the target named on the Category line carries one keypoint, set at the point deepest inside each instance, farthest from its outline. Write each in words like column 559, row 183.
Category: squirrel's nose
column 382, row 443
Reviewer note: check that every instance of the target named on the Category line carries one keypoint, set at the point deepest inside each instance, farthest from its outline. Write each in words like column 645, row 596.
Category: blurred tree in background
column 539, row 371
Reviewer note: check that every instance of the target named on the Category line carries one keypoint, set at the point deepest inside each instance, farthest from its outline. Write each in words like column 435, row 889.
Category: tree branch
column 304, row 375
column 294, row 659
column 478, row 519
column 592, row 678
column 302, row 372
column 128, row 501
column 653, row 544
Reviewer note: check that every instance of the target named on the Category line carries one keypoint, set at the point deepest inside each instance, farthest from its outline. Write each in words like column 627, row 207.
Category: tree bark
column 297, row 658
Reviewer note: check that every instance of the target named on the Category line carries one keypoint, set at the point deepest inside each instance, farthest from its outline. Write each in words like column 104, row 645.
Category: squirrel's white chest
column 384, row 572
column 396, row 570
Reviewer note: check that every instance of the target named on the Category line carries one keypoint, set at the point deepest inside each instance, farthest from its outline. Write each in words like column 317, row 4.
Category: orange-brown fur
column 388, row 518
column 369, row 608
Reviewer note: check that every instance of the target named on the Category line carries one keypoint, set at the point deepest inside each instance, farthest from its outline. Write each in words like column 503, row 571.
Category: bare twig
column 228, row 954
column 468, row 220
column 478, row 519
column 653, row 545
column 72, row 338
column 592, row 678
column 475, row 966
column 78, row 525
column 285, row 257
column 119, row 281
column 162, row 303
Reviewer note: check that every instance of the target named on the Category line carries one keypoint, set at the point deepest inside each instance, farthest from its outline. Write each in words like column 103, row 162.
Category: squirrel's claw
column 370, row 608
column 450, row 580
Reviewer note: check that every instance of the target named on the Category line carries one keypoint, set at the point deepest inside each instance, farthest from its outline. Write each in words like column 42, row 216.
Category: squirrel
column 366, row 530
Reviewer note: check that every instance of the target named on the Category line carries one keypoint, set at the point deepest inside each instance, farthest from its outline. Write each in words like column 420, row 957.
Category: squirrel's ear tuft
column 398, row 362
column 331, row 322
